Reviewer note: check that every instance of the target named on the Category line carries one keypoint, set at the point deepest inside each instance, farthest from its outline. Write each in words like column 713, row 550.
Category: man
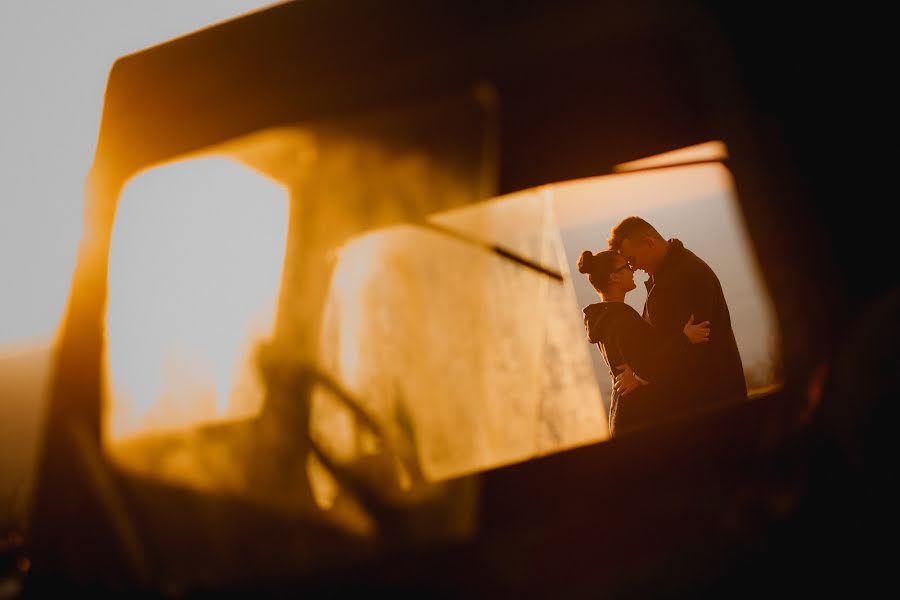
column 681, row 285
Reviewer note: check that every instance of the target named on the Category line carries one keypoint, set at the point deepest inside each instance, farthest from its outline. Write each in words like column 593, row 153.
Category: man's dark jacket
column 684, row 285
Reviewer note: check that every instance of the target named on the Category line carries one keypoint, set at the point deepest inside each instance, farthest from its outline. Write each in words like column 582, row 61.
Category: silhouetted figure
column 681, row 285
column 624, row 337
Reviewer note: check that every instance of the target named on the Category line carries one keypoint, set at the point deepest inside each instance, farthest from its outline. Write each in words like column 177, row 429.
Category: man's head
column 639, row 242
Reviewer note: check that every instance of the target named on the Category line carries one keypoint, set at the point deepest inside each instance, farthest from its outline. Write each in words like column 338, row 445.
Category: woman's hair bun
column 586, row 262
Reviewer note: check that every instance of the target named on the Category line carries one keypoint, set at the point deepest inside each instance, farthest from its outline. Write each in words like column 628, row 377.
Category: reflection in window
column 465, row 357
column 470, row 360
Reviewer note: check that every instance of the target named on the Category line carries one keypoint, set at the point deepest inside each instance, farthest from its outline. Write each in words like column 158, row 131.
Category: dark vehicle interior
column 787, row 491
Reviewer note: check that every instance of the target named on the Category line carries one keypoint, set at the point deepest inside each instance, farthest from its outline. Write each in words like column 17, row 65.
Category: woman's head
column 608, row 271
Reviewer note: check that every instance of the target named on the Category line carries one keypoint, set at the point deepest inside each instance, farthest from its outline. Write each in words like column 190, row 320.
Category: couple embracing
column 681, row 354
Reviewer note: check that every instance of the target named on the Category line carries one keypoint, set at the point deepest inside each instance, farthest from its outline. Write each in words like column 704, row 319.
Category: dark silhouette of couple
column 680, row 355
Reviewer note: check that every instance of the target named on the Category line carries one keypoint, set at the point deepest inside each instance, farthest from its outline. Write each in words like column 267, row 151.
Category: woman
column 625, row 338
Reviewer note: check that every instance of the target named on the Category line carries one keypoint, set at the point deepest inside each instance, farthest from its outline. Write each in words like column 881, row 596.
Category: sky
column 55, row 56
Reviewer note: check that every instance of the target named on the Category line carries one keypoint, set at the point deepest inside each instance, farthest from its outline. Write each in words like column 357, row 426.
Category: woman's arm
column 651, row 355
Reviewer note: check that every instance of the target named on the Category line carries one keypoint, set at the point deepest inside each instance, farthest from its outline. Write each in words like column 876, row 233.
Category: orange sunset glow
column 54, row 61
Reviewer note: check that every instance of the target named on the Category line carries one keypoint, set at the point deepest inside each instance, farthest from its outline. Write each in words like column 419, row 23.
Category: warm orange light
column 708, row 151
column 352, row 272
column 54, row 65
column 196, row 258
column 465, row 359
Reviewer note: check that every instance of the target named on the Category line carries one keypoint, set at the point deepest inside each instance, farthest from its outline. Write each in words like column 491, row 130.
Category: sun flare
column 194, row 271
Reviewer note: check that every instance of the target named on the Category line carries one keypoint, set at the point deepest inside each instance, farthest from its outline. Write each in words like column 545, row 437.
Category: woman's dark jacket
column 623, row 336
